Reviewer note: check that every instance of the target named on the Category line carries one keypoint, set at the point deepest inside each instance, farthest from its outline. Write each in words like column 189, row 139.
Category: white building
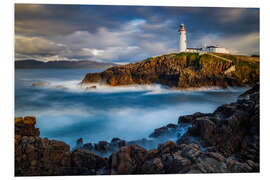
column 183, row 38
column 183, row 44
column 216, row 49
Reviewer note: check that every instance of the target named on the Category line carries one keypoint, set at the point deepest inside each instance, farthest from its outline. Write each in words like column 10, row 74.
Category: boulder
column 151, row 154
column 172, row 126
column 153, row 166
column 160, row 132
column 167, row 147
column 91, row 88
column 88, row 146
column 204, row 128
column 102, row 147
column 190, row 151
column 190, row 118
column 174, row 162
column 86, row 162
column 79, row 143
column 35, row 84
column 26, row 126
column 127, row 160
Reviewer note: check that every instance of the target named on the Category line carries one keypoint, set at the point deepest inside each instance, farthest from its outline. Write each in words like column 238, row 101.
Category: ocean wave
column 149, row 89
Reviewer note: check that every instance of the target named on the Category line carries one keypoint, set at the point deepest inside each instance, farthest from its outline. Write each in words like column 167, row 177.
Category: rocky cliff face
column 35, row 156
column 225, row 141
column 184, row 70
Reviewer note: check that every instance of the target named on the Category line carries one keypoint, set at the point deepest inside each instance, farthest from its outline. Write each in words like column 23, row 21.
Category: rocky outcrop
column 36, row 156
column 184, row 70
column 225, row 141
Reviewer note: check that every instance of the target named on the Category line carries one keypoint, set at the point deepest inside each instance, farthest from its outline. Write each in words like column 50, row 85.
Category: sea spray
column 100, row 114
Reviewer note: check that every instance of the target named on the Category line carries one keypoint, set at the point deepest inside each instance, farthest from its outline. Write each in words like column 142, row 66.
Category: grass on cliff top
column 171, row 55
column 239, row 61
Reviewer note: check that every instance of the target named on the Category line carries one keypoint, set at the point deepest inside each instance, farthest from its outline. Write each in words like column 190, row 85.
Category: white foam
column 150, row 89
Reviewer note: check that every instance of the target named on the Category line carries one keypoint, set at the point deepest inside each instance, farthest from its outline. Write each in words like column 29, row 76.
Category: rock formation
column 184, row 70
column 225, row 141
column 36, row 156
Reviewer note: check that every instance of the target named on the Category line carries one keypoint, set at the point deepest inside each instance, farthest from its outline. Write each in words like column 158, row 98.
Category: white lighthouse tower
column 183, row 38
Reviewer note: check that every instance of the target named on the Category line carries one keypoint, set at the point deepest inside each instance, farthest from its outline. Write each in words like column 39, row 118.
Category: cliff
column 183, row 70
column 225, row 141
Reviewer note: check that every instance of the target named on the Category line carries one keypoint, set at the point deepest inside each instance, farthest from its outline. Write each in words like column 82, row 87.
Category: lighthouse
column 183, row 38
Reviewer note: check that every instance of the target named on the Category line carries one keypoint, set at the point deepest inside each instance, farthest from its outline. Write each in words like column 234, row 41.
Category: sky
column 122, row 34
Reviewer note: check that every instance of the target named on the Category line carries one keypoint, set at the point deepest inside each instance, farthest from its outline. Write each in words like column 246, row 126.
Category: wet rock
column 41, row 156
column 60, row 87
column 88, row 146
column 144, row 143
column 26, row 126
column 167, row 147
column 216, row 156
column 91, row 88
column 103, row 171
column 246, row 95
column 86, row 162
column 35, row 84
column 173, row 126
column 203, row 127
column 160, row 131
column 102, row 147
column 153, row 153
column 210, row 165
column 79, row 143
column 190, row 118
column 153, row 166
column 226, row 110
column 117, row 143
column 127, row 160
column 174, row 162
column 191, row 151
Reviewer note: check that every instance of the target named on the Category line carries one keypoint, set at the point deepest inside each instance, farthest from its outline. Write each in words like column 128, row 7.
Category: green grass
column 185, row 54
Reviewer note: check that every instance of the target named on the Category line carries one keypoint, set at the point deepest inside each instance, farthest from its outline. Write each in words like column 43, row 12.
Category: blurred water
column 65, row 111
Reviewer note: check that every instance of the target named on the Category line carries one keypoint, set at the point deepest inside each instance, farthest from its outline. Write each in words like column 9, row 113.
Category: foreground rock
column 39, row 156
column 233, row 129
column 39, row 84
column 225, row 141
column 184, row 70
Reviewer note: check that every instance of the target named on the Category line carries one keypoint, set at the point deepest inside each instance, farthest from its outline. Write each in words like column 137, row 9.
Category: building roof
column 182, row 28
column 212, row 47
column 195, row 48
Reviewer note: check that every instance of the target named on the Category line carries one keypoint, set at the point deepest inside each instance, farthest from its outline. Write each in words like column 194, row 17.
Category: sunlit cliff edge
column 183, row 70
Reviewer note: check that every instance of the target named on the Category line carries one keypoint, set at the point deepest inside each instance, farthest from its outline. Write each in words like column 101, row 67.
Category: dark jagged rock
column 153, row 166
column 189, row 118
column 36, row 156
column 127, row 160
column 184, row 70
column 102, row 146
column 164, row 131
column 88, row 146
column 225, row 141
column 26, row 126
column 79, row 142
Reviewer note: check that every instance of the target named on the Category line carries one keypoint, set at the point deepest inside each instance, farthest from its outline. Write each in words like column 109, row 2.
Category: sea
column 66, row 111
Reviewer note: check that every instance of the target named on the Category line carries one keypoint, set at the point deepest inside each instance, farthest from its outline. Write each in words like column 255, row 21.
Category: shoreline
column 204, row 133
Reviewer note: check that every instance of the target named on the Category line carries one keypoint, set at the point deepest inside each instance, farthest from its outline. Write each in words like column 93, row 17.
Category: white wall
column 218, row 50
column 183, row 41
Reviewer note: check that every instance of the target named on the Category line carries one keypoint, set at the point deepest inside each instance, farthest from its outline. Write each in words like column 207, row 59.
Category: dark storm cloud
column 125, row 33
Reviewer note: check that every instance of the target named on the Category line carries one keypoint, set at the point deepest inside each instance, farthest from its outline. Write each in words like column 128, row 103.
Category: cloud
column 127, row 33
column 247, row 44
column 36, row 46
